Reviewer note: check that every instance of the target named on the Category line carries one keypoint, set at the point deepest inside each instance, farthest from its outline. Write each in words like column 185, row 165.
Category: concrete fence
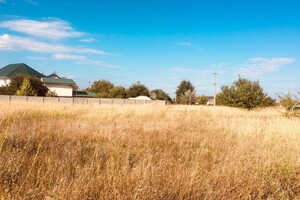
column 79, row 101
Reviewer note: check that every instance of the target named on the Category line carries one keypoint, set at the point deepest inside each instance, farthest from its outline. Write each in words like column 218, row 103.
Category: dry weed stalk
column 128, row 152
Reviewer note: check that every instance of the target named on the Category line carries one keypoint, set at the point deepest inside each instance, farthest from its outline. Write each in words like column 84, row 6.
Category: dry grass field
column 143, row 152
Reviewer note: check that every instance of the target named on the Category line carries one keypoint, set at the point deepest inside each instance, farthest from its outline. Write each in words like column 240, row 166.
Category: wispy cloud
column 88, row 40
column 32, row 2
column 185, row 43
column 259, row 66
column 15, row 43
column 181, row 69
column 61, row 56
column 36, row 58
column 82, row 60
column 3, row 1
column 55, row 29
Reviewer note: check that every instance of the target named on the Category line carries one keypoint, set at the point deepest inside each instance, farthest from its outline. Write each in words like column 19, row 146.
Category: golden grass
column 147, row 152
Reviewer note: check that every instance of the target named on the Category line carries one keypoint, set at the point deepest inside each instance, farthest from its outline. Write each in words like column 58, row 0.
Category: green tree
column 267, row 102
column 182, row 88
column 243, row 93
column 3, row 90
column 117, row 92
column 202, row 100
column 137, row 89
column 159, row 94
column 26, row 89
column 38, row 85
column 288, row 100
column 188, row 98
column 17, row 81
column 15, row 84
column 101, row 88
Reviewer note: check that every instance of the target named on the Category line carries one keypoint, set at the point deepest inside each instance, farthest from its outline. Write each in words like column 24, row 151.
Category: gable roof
column 62, row 81
column 18, row 68
column 54, row 75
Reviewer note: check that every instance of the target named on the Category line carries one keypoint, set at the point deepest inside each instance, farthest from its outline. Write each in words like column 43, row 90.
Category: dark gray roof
column 18, row 68
column 62, row 81
column 83, row 94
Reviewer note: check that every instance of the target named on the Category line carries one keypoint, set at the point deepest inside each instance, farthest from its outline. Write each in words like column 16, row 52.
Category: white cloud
column 180, row 69
column 259, row 66
column 61, row 56
column 51, row 29
column 36, row 58
column 3, row 1
column 88, row 40
column 185, row 43
column 82, row 60
column 15, row 43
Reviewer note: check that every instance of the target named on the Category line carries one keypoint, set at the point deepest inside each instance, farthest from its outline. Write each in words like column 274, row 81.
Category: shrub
column 243, row 93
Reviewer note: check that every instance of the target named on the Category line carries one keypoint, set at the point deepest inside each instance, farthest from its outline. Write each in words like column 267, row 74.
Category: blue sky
column 158, row 43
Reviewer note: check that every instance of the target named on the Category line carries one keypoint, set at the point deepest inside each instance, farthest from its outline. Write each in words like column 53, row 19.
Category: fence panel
column 79, row 101
column 35, row 99
column 51, row 100
column 18, row 98
column 93, row 102
column 4, row 98
column 106, row 101
column 65, row 100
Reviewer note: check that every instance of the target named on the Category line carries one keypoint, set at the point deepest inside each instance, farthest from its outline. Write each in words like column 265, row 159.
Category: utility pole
column 215, row 86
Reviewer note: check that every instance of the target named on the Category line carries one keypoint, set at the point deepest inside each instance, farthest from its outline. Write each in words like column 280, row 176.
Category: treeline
column 243, row 93
column 106, row 89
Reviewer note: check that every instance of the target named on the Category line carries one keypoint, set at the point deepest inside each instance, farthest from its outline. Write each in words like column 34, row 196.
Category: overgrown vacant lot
column 175, row 152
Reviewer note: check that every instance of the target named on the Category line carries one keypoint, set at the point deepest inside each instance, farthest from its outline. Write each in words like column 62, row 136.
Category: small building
column 210, row 100
column 62, row 87
column 13, row 69
column 141, row 98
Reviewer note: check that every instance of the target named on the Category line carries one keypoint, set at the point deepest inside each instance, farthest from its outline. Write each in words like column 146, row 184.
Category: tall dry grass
column 127, row 152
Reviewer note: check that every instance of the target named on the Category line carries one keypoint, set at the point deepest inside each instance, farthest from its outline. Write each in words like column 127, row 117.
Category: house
column 13, row 69
column 210, row 100
column 61, row 86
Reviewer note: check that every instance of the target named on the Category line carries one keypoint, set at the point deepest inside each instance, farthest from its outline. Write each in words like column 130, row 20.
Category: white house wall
column 61, row 90
column 4, row 81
